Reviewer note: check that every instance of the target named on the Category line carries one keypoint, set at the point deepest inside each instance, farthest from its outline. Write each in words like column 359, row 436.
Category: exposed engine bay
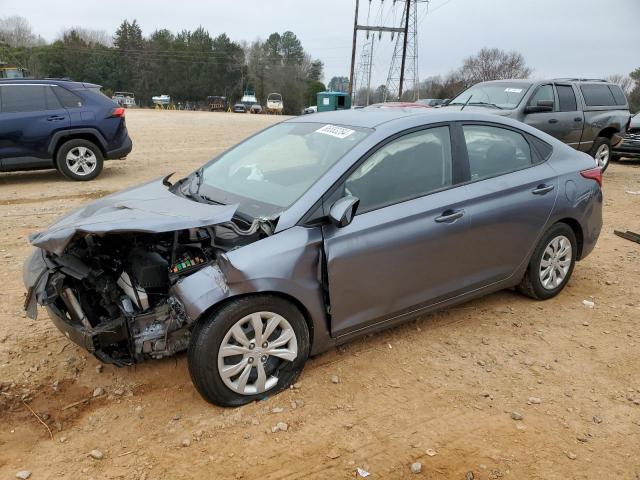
column 114, row 288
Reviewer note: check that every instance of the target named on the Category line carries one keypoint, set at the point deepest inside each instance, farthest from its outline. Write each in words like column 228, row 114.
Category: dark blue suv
column 69, row 126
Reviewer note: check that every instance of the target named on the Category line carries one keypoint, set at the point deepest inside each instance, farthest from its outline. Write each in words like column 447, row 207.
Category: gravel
column 23, row 474
column 416, row 467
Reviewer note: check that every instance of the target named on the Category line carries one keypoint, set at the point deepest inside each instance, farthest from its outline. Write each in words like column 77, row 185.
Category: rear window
column 597, row 95
column 28, row 98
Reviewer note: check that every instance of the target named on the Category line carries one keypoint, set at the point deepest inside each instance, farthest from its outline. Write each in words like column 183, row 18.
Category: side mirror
column 343, row 211
column 446, row 102
column 541, row 106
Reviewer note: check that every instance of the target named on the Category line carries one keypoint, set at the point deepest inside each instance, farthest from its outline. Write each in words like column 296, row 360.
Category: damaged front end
column 106, row 278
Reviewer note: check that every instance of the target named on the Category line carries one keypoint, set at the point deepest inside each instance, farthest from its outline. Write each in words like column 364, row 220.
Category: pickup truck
column 589, row 115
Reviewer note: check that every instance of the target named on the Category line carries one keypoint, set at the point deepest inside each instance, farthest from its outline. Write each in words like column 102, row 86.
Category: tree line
column 187, row 65
column 487, row 64
column 191, row 65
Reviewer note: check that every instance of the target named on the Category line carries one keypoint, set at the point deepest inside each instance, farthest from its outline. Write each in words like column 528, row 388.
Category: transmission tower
column 362, row 76
column 403, row 71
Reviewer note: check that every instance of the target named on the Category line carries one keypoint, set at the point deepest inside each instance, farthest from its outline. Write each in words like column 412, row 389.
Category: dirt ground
column 440, row 390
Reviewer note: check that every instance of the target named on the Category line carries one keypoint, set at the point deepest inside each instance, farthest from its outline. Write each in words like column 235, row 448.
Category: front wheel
column 551, row 264
column 601, row 152
column 247, row 350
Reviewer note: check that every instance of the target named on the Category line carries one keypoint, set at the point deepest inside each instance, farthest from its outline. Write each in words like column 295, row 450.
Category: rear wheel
column 601, row 152
column 251, row 348
column 79, row 160
column 551, row 264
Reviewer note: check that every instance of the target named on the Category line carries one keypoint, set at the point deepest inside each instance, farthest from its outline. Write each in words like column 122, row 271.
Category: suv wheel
column 601, row 152
column 79, row 160
column 551, row 264
column 249, row 349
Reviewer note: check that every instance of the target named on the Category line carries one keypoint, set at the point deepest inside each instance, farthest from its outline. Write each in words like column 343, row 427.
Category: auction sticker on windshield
column 335, row 131
column 513, row 90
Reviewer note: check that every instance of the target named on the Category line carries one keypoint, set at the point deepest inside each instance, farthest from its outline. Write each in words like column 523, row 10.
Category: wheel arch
column 285, row 296
column 578, row 232
column 608, row 132
column 88, row 134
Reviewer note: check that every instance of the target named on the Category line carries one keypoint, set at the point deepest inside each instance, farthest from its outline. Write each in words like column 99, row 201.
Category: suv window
column 597, row 95
column 618, row 95
column 28, row 98
column 494, row 151
column 544, row 93
column 68, row 99
column 566, row 98
column 408, row 167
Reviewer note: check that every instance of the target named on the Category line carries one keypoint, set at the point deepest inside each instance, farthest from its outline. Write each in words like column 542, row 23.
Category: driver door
column 406, row 245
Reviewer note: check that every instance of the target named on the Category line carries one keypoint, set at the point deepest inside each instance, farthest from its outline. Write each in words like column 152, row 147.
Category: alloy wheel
column 81, row 160
column 253, row 350
column 602, row 155
column 555, row 263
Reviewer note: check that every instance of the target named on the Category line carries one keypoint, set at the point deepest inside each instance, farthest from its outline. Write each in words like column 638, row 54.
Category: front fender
column 287, row 263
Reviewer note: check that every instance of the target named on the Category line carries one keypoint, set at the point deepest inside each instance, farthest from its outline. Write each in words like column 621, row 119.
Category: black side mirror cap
column 342, row 212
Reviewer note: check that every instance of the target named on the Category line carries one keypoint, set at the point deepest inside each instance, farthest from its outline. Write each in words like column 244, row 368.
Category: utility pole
column 353, row 49
column 404, row 48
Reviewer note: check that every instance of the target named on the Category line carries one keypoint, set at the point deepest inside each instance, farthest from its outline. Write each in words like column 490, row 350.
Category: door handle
column 54, row 118
column 577, row 119
column 553, row 120
column 542, row 189
column 449, row 216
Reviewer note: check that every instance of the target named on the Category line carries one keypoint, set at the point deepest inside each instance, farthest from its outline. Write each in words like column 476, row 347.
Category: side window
column 52, row 101
column 28, row 98
column 411, row 166
column 597, row 95
column 68, row 99
column 618, row 95
column 544, row 93
column 495, row 151
column 566, row 98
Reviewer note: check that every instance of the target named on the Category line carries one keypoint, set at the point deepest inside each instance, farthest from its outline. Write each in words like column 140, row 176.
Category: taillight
column 593, row 174
column 118, row 112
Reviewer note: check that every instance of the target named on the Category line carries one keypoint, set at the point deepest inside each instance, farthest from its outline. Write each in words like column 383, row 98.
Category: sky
column 558, row 38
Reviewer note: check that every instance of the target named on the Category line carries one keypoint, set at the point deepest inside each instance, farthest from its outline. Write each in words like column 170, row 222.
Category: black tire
column 209, row 333
column 531, row 284
column 75, row 143
column 599, row 143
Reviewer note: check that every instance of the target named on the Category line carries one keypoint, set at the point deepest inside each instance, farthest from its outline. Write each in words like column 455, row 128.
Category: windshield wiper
column 487, row 104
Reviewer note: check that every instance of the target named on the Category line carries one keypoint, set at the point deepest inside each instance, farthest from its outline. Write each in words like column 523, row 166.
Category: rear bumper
column 121, row 151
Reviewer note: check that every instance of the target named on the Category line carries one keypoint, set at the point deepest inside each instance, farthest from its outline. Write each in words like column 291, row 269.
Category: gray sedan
column 312, row 233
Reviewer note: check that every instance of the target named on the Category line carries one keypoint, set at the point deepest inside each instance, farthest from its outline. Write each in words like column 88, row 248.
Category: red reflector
column 118, row 112
column 593, row 174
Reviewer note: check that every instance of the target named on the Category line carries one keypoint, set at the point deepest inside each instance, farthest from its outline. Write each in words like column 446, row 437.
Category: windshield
column 498, row 95
column 270, row 171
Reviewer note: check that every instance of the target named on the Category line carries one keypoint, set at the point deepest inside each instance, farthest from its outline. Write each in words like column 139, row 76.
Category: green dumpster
column 328, row 101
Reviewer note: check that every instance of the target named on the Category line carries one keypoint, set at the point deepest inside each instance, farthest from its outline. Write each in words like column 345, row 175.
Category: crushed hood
column 149, row 208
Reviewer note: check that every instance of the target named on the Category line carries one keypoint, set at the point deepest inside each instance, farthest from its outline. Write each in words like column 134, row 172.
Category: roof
column 527, row 81
column 374, row 117
column 50, row 81
column 329, row 92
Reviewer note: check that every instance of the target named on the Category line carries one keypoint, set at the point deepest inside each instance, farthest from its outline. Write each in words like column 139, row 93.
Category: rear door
column 511, row 194
column 31, row 114
column 408, row 242
column 564, row 122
